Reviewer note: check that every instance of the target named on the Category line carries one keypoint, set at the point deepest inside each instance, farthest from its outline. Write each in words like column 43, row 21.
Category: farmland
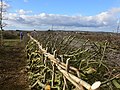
column 96, row 55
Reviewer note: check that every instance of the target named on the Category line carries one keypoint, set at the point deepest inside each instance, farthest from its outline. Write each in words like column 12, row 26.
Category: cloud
column 101, row 20
column 114, row 10
column 22, row 12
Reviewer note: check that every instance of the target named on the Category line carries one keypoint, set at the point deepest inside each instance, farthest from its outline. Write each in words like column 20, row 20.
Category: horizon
column 30, row 30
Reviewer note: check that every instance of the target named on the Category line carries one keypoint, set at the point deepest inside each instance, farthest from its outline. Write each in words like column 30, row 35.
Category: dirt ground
column 13, row 75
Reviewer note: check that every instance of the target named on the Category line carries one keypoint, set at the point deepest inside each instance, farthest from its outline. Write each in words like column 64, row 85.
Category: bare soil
column 13, row 75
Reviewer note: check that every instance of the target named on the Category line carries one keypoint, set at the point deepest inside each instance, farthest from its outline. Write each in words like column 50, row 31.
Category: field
column 96, row 55
column 12, row 65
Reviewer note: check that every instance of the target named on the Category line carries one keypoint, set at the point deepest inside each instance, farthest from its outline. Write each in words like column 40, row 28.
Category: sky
column 82, row 15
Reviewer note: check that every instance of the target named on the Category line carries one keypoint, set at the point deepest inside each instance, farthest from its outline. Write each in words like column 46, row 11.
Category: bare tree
column 2, row 5
column 1, row 9
column 118, row 25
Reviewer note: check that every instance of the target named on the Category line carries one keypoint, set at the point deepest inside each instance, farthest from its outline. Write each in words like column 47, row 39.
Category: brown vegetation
column 89, row 52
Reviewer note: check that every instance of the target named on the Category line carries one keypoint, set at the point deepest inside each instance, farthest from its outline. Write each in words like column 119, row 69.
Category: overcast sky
column 88, row 15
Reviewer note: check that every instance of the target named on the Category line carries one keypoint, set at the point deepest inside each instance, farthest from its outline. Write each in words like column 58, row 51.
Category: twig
column 61, row 66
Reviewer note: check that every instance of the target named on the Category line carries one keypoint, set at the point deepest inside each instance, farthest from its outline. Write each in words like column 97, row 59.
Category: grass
column 11, row 42
column 12, row 66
